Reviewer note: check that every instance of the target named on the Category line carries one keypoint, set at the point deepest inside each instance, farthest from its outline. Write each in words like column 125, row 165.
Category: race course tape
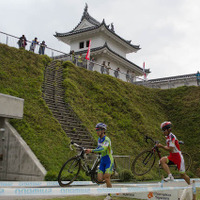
column 55, row 183
column 79, row 191
column 39, row 183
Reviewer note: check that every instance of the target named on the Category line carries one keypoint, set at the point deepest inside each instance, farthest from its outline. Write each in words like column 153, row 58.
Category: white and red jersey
column 172, row 141
column 176, row 156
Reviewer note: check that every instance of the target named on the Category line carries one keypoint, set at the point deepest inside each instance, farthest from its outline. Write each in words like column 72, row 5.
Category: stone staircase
column 53, row 94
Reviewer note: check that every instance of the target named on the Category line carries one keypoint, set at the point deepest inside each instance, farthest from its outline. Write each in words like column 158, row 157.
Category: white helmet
column 101, row 125
column 166, row 125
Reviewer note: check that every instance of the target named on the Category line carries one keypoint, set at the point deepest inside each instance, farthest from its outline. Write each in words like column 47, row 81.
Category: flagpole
column 144, row 73
column 87, row 57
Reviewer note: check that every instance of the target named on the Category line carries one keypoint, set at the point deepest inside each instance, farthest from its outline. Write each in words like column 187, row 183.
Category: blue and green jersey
column 104, row 147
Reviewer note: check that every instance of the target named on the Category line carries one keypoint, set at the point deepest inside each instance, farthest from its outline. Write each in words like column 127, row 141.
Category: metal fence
column 12, row 41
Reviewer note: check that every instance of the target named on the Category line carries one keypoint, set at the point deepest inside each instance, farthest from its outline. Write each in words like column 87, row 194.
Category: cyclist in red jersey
column 175, row 156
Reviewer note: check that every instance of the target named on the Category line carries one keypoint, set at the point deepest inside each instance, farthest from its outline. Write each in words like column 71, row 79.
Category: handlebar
column 76, row 145
column 180, row 142
column 149, row 138
column 156, row 142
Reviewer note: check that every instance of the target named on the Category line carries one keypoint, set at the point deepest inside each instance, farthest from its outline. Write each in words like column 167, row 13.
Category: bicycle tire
column 94, row 175
column 143, row 163
column 188, row 161
column 69, row 171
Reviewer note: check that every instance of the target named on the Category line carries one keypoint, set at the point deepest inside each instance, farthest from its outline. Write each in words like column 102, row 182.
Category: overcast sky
column 168, row 31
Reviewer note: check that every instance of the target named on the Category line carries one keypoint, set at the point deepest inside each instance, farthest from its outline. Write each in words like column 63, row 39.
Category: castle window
column 87, row 43
column 81, row 45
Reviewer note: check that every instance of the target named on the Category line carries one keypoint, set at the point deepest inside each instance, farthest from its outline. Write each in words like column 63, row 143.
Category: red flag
column 87, row 57
column 144, row 73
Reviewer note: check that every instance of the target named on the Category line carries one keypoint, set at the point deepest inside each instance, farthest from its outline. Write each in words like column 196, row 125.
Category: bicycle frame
column 84, row 163
column 156, row 149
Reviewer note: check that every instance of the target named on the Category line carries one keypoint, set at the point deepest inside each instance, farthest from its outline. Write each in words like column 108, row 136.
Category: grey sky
column 168, row 31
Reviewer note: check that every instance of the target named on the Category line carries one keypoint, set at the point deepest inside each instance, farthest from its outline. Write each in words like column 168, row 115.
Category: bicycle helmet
column 166, row 125
column 101, row 125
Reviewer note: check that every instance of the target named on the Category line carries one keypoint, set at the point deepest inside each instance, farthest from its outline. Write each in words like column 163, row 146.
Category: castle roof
column 138, row 69
column 94, row 25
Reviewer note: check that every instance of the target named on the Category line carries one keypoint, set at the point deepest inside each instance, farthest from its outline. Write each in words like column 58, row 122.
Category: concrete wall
column 11, row 107
column 17, row 161
column 170, row 82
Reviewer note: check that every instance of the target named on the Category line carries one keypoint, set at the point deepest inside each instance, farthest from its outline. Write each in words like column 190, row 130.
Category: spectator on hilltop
column 108, row 68
column 72, row 55
column 91, row 65
column 22, row 42
column 80, row 60
column 132, row 77
column 127, row 76
column 198, row 78
column 116, row 72
column 42, row 48
column 103, row 67
column 33, row 44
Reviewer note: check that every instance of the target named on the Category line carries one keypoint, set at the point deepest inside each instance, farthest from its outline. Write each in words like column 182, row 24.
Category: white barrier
column 170, row 192
column 50, row 188
column 39, row 183
column 55, row 183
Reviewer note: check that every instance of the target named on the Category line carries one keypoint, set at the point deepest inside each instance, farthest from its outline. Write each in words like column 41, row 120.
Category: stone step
column 64, row 114
column 74, row 128
column 78, row 132
column 52, row 86
column 73, row 134
column 79, row 136
column 61, row 110
column 54, row 96
column 54, row 103
column 83, row 143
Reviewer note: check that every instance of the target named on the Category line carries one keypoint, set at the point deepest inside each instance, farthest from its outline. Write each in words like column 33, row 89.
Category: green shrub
column 51, row 176
column 125, row 175
column 83, row 177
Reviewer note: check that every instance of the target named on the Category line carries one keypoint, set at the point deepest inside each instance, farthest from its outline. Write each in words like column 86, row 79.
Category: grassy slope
column 131, row 110
column 126, row 108
column 183, row 108
column 21, row 75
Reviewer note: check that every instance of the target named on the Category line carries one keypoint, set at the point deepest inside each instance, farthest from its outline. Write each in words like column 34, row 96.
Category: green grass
column 21, row 75
column 130, row 111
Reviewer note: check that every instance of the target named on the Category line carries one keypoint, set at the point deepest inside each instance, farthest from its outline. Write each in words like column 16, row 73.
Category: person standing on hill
column 42, row 48
column 175, row 157
column 72, row 55
column 80, row 60
column 116, row 72
column 103, row 66
column 33, row 44
column 91, row 64
column 22, row 42
column 198, row 78
column 104, row 147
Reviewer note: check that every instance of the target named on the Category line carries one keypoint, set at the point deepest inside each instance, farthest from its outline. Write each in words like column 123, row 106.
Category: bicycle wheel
column 188, row 161
column 94, row 175
column 143, row 162
column 69, row 171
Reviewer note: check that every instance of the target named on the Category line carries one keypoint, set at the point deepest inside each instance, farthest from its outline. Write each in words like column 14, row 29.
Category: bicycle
column 71, row 168
column 145, row 161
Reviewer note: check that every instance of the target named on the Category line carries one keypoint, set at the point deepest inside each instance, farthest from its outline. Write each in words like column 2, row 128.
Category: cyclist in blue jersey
column 104, row 147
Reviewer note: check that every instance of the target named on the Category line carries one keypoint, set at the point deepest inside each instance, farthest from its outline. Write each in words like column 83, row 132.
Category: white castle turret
column 106, row 45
